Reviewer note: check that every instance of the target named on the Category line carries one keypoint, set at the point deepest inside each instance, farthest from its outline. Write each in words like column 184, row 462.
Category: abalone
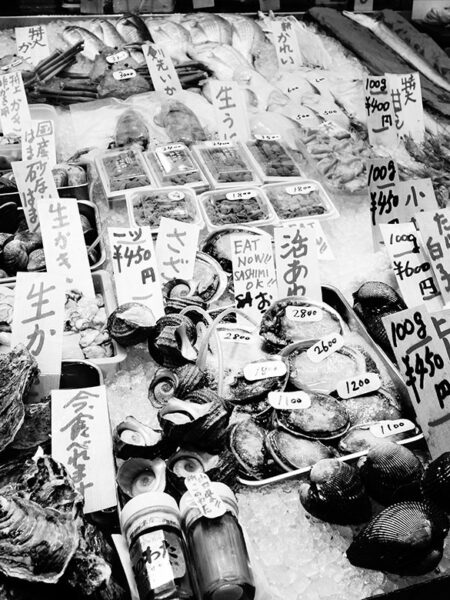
column 291, row 452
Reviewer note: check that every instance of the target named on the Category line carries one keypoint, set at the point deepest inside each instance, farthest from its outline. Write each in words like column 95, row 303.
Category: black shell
column 15, row 257
column 130, row 324
column 405, row 538
column 9, row 217
column 30, row 240
column 247, row 443
column 131, row 438
column 36, row 260
column 335, row 493
column 171, row 341
column 387, row 468
column 174, row 383
column 291, row 452
column 435, row 482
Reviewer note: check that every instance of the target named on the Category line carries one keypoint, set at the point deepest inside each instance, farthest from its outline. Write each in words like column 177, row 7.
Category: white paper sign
column 325, row 347
column 38, row 142
column 164, row 76
column 231, row 110
column 383, row 188
column 135, row 267
column 263, row 369
column 406, row 97
column 379, row 111
column 235, row 336
column 285, row 41
column 358, row 386
column 14, row 110
column 176, row 248
column 209, row 503
column 64, row 245
column 32, row 43
column 297, row 400
column 81, row 441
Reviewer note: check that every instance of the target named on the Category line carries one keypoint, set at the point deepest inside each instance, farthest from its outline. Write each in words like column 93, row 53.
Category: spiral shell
column 130, row 324
column 140, row 475
column 172, row 340
column 131, row 438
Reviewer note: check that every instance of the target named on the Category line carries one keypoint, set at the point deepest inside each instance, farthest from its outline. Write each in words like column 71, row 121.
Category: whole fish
column 92, row 44
column 173, row 38
column 108, row 33
column 133, row 29
column 247, row 36
column 207, row 27
column 403, row 49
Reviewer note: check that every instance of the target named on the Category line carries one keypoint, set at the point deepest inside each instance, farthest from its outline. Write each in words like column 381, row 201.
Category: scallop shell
column 131, row 438
column 379, row 406
column 291, row 452
column 360, row 439
column 247, row 443
column 435, row 481
column 172, row 339
column 406, row 539
column 140, row 475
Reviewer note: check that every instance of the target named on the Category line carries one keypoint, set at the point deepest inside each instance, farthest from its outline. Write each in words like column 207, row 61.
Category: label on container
column 325, row 347
column 289, row 400
column 264, row 369
column 358, row 386
column 218, row 144
column 267, row 137
column 175, row 195
column 301, row 188
column 208, row 502
column 304, row 314
column 241, row 195
column 124, row 74
column 385, row 429
column 171, row 148
column 235, row 336
column 118, row 57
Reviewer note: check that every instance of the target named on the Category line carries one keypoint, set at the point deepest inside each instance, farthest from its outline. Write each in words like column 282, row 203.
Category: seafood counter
column 319, row 489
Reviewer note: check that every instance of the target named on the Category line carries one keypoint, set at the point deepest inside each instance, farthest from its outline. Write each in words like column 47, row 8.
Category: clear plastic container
column 147, row 207
column 123, row 169
column 226, row 164
column 303, row 199
column 272, row 160
column 174, row 165
column 238, row 206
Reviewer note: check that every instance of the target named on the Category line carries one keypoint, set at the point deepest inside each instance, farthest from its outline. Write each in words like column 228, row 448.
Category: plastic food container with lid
column 148, row 206
column 304, row 199
column 173, row 164
column 122, row 169
column 271, row 158
column 238, row 206
column 226, row 164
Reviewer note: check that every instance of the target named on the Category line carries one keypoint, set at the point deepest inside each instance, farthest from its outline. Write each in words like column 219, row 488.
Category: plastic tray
column 174, row 165
column 138, row 169
column 272, row 160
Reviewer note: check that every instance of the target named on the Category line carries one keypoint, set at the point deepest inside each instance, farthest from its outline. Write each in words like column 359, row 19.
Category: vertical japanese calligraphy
column 163, row 74
column 176, row 248
column 382, row 181
column 231, row 110
column 422, row 360
column 380, row 114
column 81, row 440
column 406, row 99
column 14, row 110
column 64, row 246
column 135, row 268
column 434, row 227
column 32, row 43
column 285, row 40
column 38, row 142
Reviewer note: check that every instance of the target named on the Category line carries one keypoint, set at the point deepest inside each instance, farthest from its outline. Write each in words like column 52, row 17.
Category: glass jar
column 151, row 525
column 217, row 549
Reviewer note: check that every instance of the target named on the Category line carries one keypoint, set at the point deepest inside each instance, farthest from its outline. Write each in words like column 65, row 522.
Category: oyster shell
column 36, row 260
column 131, row 438
column 247, row 443
column 335, row 493
column 406, row 538
column 130, row 324
column 36, row 428
column 30, row 240
column 171, row 342
column 139, row 475
column 435, row 481
column 379, row 406
column 291, row 452
column 360, row 438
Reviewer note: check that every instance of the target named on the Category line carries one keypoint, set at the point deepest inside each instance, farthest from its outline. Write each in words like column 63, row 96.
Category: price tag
column 285, row 41
column 289, row 400
column 264, row 369
column 176, row 249
column 406, row 94
column 434, row 227
column 267, row 138
column 64, row 246
column 14, row 110
column 254, row 278
column 385, row 429
column 38, row 142
column 325, row 347
column 301, row 188
column 209, row 503
column 358, row 386
column 124, row 74
column 383, row 187
column 298, row 272
column 164, row 76
column 81, row 441
column 327, row 108
column 304, row 314
column 117, row 57
column 135, row 268
column 172, row 148
column 32, row 43
column 380, row 112
column 218, row 144
column 412, row 269
column 363, row 6
column 34, row 179
column 241, row 195
column 231, row 110
column 235, row 336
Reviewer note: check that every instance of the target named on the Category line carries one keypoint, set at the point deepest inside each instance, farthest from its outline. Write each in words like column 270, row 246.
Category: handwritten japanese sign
column 406, row 101
column 285, row 41
column 411, row 268
column 231, row 110
column 14, row 110
column 176, row 248
column 382, row 181
column 297, row 262
column 135, row 268
column 422, row 360
column 81, row 440
column 207, row 501
column 34, row 180
column 64, row 246
column 255, row 282
column 38, row 142
column 434, row 227
column 32, row 43
column 380, row 114
column 163, row 73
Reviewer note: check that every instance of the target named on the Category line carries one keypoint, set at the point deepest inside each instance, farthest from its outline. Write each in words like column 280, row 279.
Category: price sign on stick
column 162, row 71
column 176, row 248
column 383, row 182
column 406, row 95
column 14, row 110
column 32, row 43
column 379, row 111
column 231, row 110
column 423, row 362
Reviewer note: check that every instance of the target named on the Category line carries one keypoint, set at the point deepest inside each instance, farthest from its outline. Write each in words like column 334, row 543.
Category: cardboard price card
column 32, row 43
column 135, row 268
column 14, row 110
column 285, row 41
column 231, row 110
column 38, row 142
column 176, row 248
column 162, row 71
column 380, row 114
column 81, row 441
column 422, row 360
column 406, row 97
column 382, row 182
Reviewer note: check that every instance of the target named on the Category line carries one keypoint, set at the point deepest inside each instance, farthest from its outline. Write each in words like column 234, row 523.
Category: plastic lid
column 147, row 500
column 187, row 502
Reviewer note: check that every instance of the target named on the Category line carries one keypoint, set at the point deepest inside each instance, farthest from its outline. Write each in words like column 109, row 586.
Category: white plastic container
column 123, row 169
column 226, row 164
column 174, row 165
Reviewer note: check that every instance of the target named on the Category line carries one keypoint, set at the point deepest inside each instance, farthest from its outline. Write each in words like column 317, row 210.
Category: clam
column 172, row 340
column 378, row 406
column 324, row 419
column 31, row 240
column 131, row 438
column 435, row 481
column 291, row 452
column 247, row 443
column 15, row 257
column 139, row 475
column 360, row 438
column 388, row 467
column 179, row 382
column 406, row 538
column 130, row 324
column 36, row 260
column 335, row 493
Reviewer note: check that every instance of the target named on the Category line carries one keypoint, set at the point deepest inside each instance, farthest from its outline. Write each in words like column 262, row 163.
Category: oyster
column 36, row 428
column 324, row 419
column 335, row 493
column 247, row 443
column 30, row 240
column 15, row 257
column 360, row 438
column 139, row 475
column 218, row 244
column 378, row 406
column 406, row 538
column 131, row 438
column 130, row 324
column 291, row 452
column 171, row 342
column 435, row 481
column 36, row 260
column 388, row 467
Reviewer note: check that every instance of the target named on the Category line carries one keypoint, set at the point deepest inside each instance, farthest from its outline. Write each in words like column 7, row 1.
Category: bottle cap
column 187, row 501
column 148, row 500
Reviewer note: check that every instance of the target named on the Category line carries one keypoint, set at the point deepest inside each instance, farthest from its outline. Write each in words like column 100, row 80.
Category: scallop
column 140, row 475
column 291, row 452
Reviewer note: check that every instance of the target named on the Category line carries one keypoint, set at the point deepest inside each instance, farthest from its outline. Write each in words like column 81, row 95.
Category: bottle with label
column 151, row 525
column 217, row 549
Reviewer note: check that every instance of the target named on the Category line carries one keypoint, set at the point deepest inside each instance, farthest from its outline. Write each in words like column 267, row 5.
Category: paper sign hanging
column 164, row 76
column 254, row 277
column 379, row 111
column 411, row 267
column 297, row 263
column 135, row 268
column 14, row 110
column 382, row 182
column 422, row 360
column 32, row 43
column 231, row 110
column 38, row 142
column 176, row 248
column 285, row 41
column 406, row 98
column 81, row 441
column 34, row 179
column 64, row 245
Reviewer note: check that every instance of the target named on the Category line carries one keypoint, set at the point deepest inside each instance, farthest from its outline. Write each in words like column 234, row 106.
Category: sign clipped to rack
column 285, row 41
column 14, row 110
column 32, row 43
column 162, row 71
column 229, row 104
